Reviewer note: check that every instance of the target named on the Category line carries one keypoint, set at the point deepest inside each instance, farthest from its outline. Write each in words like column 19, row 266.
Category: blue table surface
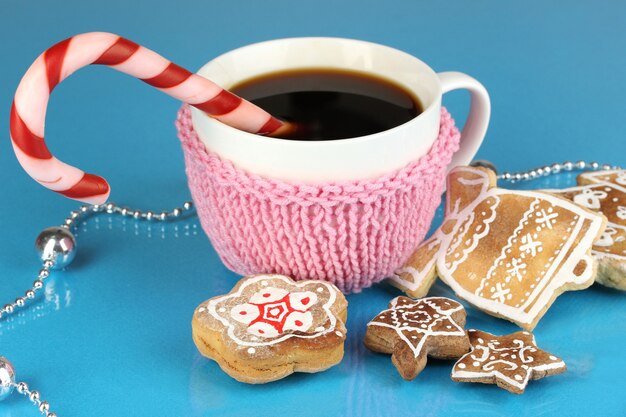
column 111, row 336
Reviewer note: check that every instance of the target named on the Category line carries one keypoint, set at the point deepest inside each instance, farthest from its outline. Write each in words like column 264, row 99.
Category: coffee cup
column 348, row 211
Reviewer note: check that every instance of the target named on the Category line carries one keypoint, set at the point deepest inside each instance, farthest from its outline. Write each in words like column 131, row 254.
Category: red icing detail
column 243, row 313
column 270, row 126
column 54, row 57
column 119, row 52
column 221, row 104
column 277, row 320
column 31, row 144
column 171, row 76
column 89, row 186
column 261, row 331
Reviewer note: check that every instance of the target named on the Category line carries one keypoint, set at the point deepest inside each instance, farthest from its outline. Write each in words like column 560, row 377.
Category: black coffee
column 329, row 104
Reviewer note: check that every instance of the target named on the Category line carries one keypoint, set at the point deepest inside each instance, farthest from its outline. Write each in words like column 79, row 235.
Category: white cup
column 357, row 158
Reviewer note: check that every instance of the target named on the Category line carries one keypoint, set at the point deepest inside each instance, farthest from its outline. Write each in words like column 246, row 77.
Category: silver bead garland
column 555, row 168
column 56, row 247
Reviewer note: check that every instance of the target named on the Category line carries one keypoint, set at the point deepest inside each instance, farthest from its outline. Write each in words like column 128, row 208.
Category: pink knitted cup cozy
column 352, row 234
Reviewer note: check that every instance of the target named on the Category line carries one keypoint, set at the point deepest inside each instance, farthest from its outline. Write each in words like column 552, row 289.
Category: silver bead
column 484, row 164
column 149, row 215
column 22, row 387
column 581, row 164
column 176, row 212
column 568, row 166
column 44, row 407
column 34, row 396
column 187, row 205
column 595, row 165
column 51, row 414
column 8, row 308
column 20, row 301
column 30, row 294
column 110, row 207
column 38, row 284
column 56, row 244
column 7, row 378
column 137, row 214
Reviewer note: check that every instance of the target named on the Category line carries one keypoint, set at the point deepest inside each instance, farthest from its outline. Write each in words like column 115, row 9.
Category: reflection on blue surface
column 111, row 336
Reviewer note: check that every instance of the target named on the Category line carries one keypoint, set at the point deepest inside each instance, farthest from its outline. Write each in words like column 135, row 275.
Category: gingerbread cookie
column 410, row 330
column 509, row 253
column 605, row 192
column 269, row 326
column 508, row 361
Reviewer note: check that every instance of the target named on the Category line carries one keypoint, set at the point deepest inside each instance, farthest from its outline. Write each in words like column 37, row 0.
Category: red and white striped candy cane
column 28, row 112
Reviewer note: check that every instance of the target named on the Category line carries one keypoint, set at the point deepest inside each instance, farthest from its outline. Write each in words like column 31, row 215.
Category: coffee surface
column 330, row 104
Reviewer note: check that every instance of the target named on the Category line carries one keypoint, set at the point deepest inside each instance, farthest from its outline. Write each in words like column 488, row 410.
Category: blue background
column 112, row 334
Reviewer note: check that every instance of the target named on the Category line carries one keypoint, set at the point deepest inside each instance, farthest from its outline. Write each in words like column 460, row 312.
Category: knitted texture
column 352, row 234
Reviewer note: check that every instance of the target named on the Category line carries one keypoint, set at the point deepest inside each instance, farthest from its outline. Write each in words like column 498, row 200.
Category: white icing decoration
column 621, row 212
column 262, row 329
column 298, row 321
column 590, row 198
column 610, row 181
column 560, row 271
column 214, row 309
column 267, row 295
column 543, row 213
column 485, row 362
column 251, row 351
column 302, row 300
column 244, row 313
column 426, row 322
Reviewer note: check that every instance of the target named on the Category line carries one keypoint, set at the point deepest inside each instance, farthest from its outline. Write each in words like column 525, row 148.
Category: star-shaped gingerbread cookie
column 508, row 361
column 605, row 192
column 269, row 326
column 509, row 253
column 410, row 330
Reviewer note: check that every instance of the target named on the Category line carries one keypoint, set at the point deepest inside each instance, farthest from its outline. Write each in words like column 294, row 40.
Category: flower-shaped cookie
column 269, row 326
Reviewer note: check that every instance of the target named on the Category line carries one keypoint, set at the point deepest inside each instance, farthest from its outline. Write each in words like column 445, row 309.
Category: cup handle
column 478, row 119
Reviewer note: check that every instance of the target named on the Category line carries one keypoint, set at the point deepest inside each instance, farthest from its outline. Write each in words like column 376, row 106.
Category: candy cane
column 57, row 63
